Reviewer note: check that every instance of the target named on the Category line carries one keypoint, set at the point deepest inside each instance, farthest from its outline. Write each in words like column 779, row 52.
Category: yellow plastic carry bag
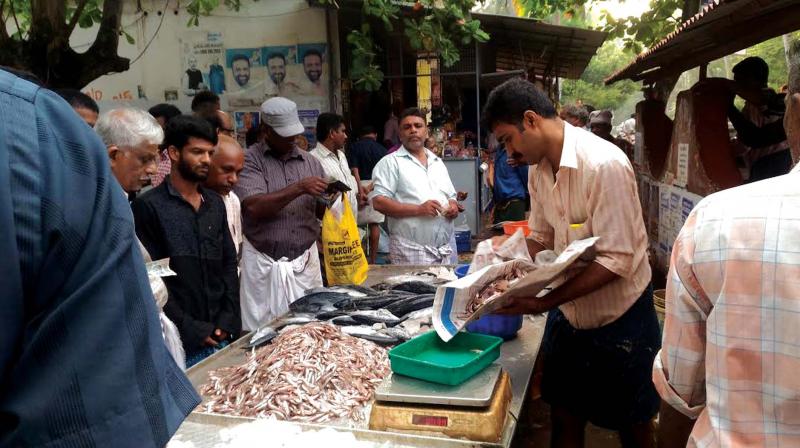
column 345, row 263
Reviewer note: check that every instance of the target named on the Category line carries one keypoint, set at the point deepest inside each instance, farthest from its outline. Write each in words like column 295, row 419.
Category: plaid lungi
column 403, row 251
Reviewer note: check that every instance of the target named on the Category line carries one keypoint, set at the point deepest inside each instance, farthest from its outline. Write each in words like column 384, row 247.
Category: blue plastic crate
column 463, row 240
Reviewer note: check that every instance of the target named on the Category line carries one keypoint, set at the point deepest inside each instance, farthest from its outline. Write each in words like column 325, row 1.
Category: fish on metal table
column 351, row 290
column 380, row 316
column 343, row 321
column 321, row 301
column 408, row 305
column 371, row 334
column 263, row 336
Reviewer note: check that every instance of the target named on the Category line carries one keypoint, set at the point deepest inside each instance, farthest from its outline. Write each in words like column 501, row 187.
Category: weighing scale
column 475, row 409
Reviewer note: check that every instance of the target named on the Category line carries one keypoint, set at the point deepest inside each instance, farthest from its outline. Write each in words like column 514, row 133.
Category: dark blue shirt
column 364, row 155
column 509, row 182
column 83, row 362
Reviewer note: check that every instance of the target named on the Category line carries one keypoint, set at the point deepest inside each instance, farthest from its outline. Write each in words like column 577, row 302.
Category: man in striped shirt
column 602, row 333
column 728, row 369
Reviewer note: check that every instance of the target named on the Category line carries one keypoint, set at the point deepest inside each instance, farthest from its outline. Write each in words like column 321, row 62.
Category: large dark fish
column 405, row 306
column 293, row 319
column 344, row 321
column 377, row 302
column 327, row 315
column 376, row 317
column 263, row 336
column 351, row 290
column 321, row 301
column 370, row 334
column 417, row 287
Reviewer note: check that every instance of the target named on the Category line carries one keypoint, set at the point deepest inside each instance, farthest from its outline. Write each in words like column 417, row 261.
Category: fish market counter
column 203, row 430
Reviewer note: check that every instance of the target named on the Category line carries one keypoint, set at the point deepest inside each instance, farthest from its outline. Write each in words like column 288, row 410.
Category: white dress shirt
column 336, row 166
column 233, row 211
column 402, row 177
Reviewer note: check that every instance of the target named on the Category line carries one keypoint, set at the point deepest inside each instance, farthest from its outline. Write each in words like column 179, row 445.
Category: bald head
column 791, row 121
column 225, row 120
column 226, row 164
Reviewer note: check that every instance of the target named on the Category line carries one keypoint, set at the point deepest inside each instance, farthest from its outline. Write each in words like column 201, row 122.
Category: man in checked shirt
column 729, row 369
column 602, row 333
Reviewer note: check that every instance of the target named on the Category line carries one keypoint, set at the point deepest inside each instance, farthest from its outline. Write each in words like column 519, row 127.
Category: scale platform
column 475, row 410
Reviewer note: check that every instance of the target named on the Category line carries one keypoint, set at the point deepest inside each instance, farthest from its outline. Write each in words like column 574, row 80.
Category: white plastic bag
column 514, row 248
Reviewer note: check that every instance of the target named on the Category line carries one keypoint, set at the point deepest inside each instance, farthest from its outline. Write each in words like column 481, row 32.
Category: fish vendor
column 185, row 222
column 413, row 189
column 602, row 333
column 278, row 187
column 83, row 361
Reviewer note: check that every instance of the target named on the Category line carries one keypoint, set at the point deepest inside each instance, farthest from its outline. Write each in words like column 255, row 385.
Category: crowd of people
column 90, row 209
column 240, row 227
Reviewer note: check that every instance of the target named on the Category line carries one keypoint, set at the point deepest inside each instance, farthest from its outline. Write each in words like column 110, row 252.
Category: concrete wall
column 161, row 41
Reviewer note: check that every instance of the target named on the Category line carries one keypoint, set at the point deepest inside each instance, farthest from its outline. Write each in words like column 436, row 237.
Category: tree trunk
column 787, row 46
column 47, row 53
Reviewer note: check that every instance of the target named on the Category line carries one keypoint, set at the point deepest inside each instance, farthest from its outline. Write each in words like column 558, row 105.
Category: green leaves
column 646, row 30
column 433, row 26
column 366, row 73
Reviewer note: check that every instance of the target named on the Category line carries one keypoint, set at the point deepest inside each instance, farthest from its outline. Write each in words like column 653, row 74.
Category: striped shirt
column 731, row 351
column 336, row 166
column 296, row 226
column 594, row 193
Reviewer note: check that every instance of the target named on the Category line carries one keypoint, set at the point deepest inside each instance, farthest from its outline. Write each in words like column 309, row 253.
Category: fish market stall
column 210, row 429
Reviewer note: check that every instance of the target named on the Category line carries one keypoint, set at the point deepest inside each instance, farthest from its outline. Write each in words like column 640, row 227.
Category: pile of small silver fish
column 491, row 291
column 311, row 373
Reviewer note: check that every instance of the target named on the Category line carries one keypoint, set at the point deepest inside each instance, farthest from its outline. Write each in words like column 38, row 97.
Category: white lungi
column 269, row 286
column 404, row 251
column 172, row 339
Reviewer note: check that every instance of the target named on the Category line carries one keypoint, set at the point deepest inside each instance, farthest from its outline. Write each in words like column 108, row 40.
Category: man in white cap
column 278, row 188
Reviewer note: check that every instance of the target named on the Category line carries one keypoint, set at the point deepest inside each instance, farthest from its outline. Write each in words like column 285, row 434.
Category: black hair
column 168, row 111
column 277, row 55
column 312, row 52
column 413, row 112
column 755, row 67
column 251, row 137
column 366, row 130
column 183, row 127
column 508, row 102
column 240, row 57
column 212, row 117
column 204, row 97
column 326, row 123
column 576, row 111
column 78, row 99
column 27, row 76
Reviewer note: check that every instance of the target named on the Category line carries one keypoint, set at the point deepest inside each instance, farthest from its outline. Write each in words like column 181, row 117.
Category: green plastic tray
column 428, row 358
